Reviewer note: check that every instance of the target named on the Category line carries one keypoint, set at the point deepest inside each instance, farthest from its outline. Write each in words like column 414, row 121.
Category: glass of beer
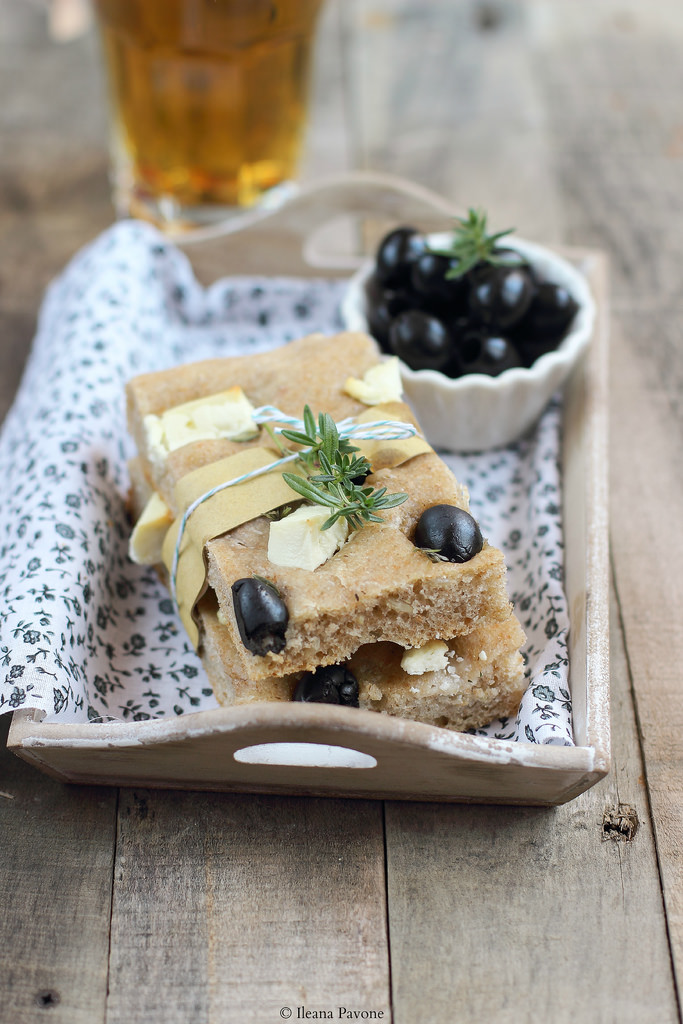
column 208, row 103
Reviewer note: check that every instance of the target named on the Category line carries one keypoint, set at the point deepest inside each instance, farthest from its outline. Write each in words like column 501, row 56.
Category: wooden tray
column 322, row 750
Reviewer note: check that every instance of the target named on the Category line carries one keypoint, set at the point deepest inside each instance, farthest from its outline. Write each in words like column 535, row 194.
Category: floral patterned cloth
column 87, row 635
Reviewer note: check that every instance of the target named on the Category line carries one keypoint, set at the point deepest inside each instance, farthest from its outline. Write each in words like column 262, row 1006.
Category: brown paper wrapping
column 387, row 454
column 251, row 498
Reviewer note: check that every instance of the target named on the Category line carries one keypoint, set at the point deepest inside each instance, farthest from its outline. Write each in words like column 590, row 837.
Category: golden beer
column 208, row 100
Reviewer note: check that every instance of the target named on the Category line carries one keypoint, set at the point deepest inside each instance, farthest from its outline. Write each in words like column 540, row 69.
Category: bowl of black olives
column 486, row 327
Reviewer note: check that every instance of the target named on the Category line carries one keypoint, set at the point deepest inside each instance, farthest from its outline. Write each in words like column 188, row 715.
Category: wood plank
column 227, row 909
column 56, row 862
column 647, row 471
column 54, row 195
column 619, row 157
column 502, row 914
column 327, row 144
column 446, row 95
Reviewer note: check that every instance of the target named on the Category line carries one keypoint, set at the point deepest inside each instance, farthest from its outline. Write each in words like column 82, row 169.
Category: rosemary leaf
column 308, row 490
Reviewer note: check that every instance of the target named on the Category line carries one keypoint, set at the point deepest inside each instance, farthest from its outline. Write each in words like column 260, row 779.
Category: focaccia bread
column 482, row 678
column 377, row 596
column 379, row 586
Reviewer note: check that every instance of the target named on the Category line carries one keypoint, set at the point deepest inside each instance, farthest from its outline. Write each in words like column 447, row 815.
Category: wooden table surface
column 565, row 119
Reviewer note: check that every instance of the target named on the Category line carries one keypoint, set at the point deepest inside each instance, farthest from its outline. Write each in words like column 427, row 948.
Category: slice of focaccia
column 375, row 597
column 480, row 678
column 379, row 586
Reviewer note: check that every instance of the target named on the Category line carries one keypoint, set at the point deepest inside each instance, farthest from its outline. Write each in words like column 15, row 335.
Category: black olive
column 396, row 254
column 348, row 691
column 532, row 347
column 458, row 327
column 500, row 296
column 382, row 305
column 450, row 531
column 422, row 341
column 261, row 615
column 551, row 312
column 331, row 684
column 491, row 354
column 428, row 279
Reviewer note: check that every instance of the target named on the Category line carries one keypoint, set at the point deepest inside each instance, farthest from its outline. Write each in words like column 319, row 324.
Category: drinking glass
column 208, row 103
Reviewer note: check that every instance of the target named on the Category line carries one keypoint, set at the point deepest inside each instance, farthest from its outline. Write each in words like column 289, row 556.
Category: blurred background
column 562, row 118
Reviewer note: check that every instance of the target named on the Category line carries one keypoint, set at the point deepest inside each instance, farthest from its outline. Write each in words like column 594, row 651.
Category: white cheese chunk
column 227, row 414
column 298, row 540
column 431, row 657
column 381, row 383
column 147, row 537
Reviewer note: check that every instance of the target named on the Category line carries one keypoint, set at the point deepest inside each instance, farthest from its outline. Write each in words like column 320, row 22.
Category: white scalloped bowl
column 476, row 412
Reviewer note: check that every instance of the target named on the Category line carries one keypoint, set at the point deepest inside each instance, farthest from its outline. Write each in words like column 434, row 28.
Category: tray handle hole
column 305, row 755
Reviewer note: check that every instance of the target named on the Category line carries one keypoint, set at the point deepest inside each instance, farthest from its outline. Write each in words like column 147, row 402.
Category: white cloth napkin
column 87, row 635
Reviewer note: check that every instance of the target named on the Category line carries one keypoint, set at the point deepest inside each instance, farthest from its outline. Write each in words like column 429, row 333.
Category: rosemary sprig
column 472, row 245
column 333, row 472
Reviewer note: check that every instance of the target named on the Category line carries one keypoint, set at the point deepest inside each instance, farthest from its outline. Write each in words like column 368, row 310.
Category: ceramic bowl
column 476, row 412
